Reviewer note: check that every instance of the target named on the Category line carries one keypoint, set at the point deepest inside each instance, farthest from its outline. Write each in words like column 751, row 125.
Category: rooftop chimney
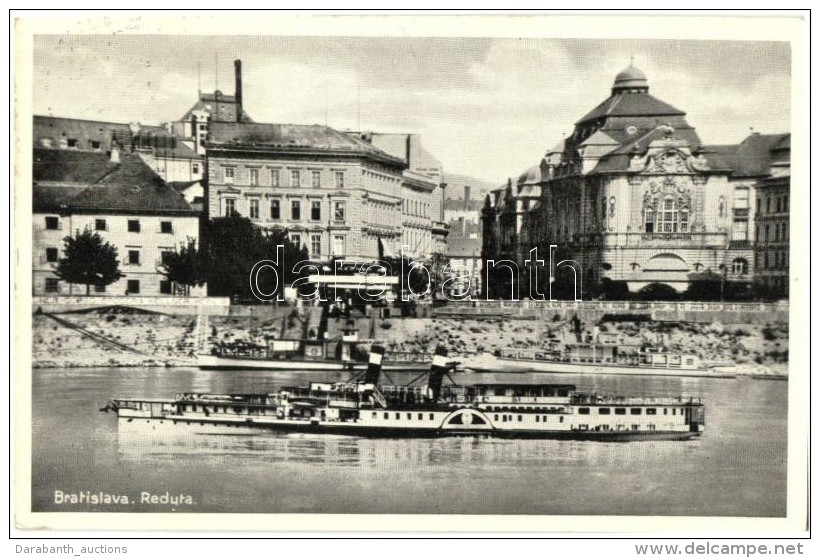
column 237, row 64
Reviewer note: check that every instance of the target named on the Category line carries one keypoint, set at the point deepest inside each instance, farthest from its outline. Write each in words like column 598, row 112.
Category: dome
column 631, row 78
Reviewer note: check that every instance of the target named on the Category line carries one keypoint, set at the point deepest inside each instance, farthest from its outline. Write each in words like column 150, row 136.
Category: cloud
column 486, row 107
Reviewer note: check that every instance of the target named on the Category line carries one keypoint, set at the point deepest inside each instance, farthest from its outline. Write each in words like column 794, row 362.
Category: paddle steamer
column 363, row 407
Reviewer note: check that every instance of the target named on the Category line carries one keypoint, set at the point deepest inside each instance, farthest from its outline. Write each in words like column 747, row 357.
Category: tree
column 235, row 245
column 89, row 260
column 705, row 285
column 414, row 276
column 658, row 291
column 188, row 266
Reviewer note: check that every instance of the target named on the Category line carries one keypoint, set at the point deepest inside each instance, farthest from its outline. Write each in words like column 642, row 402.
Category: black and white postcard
column 470, row 272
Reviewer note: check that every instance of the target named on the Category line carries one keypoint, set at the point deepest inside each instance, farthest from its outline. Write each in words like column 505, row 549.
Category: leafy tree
column 89, row 260
column 235, row 245
column 413, row 275
column 705, row 285
column 658, row 291
column 188, row 266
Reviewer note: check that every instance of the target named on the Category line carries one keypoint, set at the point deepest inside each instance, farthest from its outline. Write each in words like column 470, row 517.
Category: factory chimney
column 237, row 64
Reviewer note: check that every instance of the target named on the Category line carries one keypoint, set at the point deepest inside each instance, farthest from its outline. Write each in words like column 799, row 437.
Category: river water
column 736, row 468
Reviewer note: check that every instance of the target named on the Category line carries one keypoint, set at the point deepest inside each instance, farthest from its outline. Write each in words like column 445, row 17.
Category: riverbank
column 165, row 340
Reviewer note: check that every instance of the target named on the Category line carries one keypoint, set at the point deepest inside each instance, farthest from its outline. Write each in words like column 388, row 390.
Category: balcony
column 665, row 240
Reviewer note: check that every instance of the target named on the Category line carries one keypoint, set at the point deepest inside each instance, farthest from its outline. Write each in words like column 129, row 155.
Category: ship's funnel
column 374, row 365
column 437, row 371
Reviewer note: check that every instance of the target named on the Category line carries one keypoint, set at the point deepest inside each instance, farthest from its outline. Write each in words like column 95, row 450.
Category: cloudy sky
column 486, row 107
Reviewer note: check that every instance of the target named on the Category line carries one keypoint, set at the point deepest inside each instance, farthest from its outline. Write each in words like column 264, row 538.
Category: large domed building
column 632, row 195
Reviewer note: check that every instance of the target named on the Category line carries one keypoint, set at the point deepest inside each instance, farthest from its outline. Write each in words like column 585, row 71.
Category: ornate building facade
column 633, row 197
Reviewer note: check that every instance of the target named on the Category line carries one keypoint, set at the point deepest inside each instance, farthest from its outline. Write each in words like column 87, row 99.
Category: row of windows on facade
column 416, row 208
column 668, row 218
column 781, row 233
column 607, row 206
column 780, row 205
column 275, row 207
column 416, row 241
column 165, row 227
column 70, row 143
column 652, row 411
column 773, row 259
column 52, row 255
column 337, row 244
column 52, row 285
column 275, row 178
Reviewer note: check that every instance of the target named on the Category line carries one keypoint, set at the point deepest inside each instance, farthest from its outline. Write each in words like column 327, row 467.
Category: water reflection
column 737, row 468
column 138, row 444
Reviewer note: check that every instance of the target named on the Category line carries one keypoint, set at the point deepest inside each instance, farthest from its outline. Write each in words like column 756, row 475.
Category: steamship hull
column 364, row 407
column 211, row 362
column 219, row 427
column 506, row 364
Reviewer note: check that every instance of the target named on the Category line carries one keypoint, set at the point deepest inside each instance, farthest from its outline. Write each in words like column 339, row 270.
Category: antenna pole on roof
column 215, row 116
column 325, row 103
column 199, row 79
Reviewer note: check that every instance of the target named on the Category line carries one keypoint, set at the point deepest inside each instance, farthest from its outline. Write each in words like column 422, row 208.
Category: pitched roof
column 291, row 137
column 181, row 186
column 47, row 198
column 179, row 151
column 631, row 104
column 66, row 166
column 133, row 187
column 86, row 132
column 756, row 153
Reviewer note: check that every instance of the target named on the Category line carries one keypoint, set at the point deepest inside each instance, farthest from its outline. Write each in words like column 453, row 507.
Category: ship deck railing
column 407, row 356
column 584, row 399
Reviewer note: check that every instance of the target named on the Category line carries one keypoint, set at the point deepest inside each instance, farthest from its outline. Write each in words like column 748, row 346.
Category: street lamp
column 723, row 269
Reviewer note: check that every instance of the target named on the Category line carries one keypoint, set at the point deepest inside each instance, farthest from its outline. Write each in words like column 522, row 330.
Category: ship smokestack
column 374, row 365
column 437, row 371
column 237, row 64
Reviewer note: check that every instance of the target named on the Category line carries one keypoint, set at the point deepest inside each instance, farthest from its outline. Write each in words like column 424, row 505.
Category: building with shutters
column 121, row 198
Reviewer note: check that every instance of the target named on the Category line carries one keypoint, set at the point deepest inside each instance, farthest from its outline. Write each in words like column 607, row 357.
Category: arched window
column 670, row 219
column 740, row 266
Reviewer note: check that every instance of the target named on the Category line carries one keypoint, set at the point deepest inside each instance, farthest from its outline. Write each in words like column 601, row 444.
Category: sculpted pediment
column 229, row 190
column 671, row 161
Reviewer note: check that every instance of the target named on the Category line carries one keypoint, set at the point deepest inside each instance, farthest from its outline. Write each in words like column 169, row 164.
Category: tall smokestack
column 374, row 365
column 438, row 369
column 466, row 198
column 237, row 64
